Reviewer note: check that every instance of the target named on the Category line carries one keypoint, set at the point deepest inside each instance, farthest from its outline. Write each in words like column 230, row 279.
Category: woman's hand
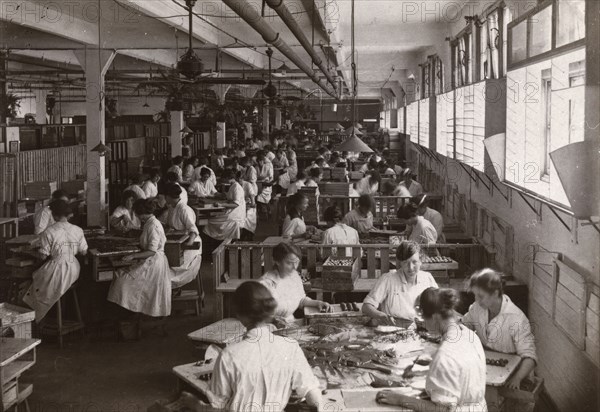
column 385, row 319
column 514, row 383
column 391, row 398
column 323, row 307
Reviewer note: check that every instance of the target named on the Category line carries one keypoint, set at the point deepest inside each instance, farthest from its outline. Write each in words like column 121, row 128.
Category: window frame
column 554, row 50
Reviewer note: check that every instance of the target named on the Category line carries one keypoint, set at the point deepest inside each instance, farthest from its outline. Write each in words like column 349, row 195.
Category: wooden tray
column 12, row 315
column 221, row 332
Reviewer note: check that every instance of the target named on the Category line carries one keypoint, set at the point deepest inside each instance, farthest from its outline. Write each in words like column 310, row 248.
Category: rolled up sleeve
column 443, row 382
column 303, row 378
column 379, row 292
column 523, row 339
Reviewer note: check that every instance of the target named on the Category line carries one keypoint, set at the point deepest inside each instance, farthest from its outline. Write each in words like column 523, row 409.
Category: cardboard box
column 340, row 274
column 40, row 190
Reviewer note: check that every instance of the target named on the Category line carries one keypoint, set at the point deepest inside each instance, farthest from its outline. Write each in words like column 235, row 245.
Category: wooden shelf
column 13, row 348
column 15, row 369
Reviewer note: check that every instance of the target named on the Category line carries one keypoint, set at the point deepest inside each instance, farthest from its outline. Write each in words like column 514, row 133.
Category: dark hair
column 406, row 250
column 57, row 194
column 333, row 214
column 144, row 206
column 239, row 175
column 154, row 173
column 441, row 301
column 60, row 208
column 420, row 200
column 128, row 194
column 192, row 159
column 408, row 211
column 282, row 250
column 487, row 280
column 173, row 190
column 177, row 160
column 203, row 160
column 293, row 204
column 323, row 150
column 301, row 174
column 315, row 172
column 374, row 176
column 205, row 171
column 373, row 163
column 243, row 160
column 365, row 201
column 229, row 174
column 172, row 177
column 320, row 161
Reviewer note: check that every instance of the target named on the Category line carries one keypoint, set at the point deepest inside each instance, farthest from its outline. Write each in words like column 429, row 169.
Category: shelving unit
column 16, row 356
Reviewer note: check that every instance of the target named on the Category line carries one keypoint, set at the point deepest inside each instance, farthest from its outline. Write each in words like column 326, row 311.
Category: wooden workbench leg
column 494, row 401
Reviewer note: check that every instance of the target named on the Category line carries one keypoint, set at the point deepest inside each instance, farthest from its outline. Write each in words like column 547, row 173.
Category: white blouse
column 287, row 291
column 509, row 332
column 293, row 227
column 393, row 295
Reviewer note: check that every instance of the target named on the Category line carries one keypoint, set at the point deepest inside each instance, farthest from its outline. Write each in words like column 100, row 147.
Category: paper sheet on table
column 363, row 400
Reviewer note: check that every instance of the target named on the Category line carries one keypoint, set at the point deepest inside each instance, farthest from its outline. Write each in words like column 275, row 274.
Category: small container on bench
column 340, row 274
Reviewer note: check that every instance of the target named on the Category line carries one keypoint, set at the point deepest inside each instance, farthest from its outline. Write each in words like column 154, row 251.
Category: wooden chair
column 195, row 297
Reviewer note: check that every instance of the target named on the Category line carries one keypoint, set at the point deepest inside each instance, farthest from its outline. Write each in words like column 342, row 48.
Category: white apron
column 251, row 217
column 183, row 218
column 61, row 242
column 146, row 287
column 265, row 173
column 228, row 225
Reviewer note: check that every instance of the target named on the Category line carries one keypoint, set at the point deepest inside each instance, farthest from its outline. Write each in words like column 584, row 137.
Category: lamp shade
column 186, row 130
column 101, row 149
column 354, row 131
column 578, row 166
column 338, row 127
column 354, row 144
column 358, row 125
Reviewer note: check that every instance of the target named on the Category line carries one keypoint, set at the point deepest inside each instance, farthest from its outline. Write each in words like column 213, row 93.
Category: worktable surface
column 348, row 388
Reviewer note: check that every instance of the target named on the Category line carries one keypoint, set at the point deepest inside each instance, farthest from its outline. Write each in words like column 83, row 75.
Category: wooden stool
column 63, row 327
column 194, row 296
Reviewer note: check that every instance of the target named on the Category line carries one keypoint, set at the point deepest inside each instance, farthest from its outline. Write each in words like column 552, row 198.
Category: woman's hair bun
column 440, row 301
column 254, row 301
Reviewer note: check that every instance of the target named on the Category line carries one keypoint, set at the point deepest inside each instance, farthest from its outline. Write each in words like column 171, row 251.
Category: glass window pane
column 571, row 21
column 519, row 42
column 540, row 40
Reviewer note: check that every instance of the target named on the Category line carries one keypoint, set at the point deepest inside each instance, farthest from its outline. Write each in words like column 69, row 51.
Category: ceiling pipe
column 249, row 14
column 287, row 17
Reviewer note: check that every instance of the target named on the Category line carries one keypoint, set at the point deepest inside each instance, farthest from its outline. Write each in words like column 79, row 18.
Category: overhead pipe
column 287, row 17
column 248, row 13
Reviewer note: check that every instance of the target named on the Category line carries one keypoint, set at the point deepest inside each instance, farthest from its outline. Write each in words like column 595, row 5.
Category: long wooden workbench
column 348, row 388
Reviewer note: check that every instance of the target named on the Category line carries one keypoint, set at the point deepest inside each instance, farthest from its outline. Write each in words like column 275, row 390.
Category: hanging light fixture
column 186, row 130
column 101, row 149
column 270, row 91
column 190, row 65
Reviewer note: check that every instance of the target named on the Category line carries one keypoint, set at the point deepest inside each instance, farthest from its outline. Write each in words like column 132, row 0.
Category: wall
column 125, row 106
column 366, row 109
column 570, row 376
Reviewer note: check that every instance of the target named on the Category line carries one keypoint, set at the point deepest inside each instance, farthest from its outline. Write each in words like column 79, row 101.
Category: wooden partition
column 234, row 263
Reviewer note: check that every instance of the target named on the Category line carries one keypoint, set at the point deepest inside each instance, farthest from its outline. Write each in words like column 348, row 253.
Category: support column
column 176, row 126
column 221, row 129
column 266, row 121
column 40, row 106
column 247, row 130
column 3, row 87
column 95, row 64
column 278, row 118
column 592, row 77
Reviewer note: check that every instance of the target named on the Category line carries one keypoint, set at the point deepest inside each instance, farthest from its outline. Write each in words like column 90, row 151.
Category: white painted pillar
column 221, row 128
column 95, row 64
column 266, row 120
column 40, row 106
column 176, row 126
column 278, row 118
column 247, row 130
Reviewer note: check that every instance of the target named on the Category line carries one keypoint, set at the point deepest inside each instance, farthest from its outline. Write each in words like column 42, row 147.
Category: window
column 432, row 76
column 484, row 48
column 506, row 19
column 547, row 132
column 576, row 101
column 540, row 32
column 518, row 41
column 571, row 21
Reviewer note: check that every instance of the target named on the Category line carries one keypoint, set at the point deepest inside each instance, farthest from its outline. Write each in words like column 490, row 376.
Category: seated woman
column 361, row 217
column 150, row 186
column 315, row 176
column 145, row 287
column 293, row 224
column 500, row 324
column 431, row 215
column 395, row 294
column 228, row 226
column 280, row 161
column 43, row 217
column 123, row 218
column 418, row 229
column 369, row 185
column 457, row 374
column 299, row 183
column 263, row 369
column 182, row 218
column 203, row 187
column 177, row 168
column 293, row 168
column 339, row 233
column 285, row 283
column 171, row 179
column 59, row 244
column 188, row 170
column 413, row 187
column 251, row 221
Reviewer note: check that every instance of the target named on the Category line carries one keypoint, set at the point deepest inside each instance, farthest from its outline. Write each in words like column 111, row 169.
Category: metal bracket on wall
column 505, row 196
column 572, row 228
column 482, row 182
column 468, row 171
column 593, row 224
column 537, row 209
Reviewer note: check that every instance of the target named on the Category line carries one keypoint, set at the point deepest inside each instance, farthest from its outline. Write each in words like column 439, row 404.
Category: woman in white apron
column 60, row 243
column 123, row 218
column 182, row 218
column 228, row 226
column 265, row 175
column 250, row 196
column 146, row 286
